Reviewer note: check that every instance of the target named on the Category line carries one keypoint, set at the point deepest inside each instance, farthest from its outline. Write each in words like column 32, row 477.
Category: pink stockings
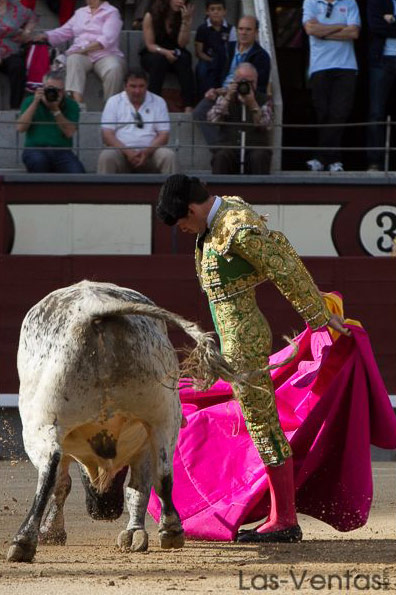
column 283, row 508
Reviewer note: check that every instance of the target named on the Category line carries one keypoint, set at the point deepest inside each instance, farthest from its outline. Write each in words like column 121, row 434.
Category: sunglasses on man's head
column 138, row 119
column 329, row 9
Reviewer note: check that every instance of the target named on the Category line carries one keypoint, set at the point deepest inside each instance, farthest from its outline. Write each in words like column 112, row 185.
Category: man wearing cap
column 235, row 252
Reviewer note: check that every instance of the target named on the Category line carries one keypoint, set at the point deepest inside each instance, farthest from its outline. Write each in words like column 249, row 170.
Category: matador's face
column 195, row 220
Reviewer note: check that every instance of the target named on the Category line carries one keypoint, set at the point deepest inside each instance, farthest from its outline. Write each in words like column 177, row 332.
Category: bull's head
column 104, row 505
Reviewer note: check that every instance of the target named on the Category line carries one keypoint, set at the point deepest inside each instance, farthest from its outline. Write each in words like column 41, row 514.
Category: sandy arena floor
column 90, row 564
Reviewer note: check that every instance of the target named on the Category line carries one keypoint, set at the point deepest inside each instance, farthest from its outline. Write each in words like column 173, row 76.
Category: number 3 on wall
column 378, row 230
column 386, row 220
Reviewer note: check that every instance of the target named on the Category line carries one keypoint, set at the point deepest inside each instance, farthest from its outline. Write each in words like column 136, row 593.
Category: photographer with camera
column 49, row 119
column 246, row 49
column 243, row 104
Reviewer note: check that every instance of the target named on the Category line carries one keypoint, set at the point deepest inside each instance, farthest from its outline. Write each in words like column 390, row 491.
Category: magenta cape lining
column 332, row 405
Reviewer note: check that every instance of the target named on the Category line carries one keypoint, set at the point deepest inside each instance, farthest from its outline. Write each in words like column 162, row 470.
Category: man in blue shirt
column 246, row 49
column 382, row 68
column 332, row 27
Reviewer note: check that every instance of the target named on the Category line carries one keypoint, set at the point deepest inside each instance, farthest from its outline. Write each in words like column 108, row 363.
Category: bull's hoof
column 134, row 540
column 171, row 539
column 53, row 537
column 139, row 541
column 21, row 552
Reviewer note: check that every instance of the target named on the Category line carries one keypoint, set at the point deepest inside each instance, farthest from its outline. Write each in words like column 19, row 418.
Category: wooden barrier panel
column 348, row 218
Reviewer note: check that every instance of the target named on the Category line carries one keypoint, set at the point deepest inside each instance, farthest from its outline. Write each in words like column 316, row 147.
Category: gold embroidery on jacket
column 239, row 238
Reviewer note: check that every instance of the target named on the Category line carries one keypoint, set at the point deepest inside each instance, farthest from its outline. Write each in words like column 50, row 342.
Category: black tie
column 201, row 239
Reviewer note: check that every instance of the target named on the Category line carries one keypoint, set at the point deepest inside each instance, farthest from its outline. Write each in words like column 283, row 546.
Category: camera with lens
column 51, row 94
column 243, row 87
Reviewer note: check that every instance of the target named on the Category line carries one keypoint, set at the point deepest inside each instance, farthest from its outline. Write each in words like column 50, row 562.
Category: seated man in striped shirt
column 243, row 104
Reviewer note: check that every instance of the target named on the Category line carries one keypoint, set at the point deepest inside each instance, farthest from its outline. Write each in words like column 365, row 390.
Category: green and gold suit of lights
column 239, row 252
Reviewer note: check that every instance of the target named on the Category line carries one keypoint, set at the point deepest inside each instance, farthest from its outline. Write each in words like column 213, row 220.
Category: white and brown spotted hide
column 98, row 385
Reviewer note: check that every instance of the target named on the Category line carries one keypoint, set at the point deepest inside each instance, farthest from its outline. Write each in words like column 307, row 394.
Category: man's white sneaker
column 337, row 166
column 315, row 165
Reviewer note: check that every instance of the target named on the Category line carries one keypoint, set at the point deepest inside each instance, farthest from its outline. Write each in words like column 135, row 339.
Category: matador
column 235, row 252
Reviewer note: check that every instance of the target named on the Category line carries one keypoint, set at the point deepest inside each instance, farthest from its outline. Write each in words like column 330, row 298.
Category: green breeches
column 246, row 343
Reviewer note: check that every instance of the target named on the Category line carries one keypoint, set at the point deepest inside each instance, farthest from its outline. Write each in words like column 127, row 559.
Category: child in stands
column 211, row 46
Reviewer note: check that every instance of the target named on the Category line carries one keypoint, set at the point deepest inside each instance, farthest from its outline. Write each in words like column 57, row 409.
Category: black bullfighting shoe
column 243, row 532
column 289, row 535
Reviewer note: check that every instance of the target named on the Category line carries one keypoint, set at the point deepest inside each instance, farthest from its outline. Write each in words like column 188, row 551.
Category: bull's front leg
column 52, row 529
column 24, row 544
column 134, row 537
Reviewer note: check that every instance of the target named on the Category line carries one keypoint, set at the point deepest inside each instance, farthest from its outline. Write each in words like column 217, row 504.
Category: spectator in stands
column 16, row 25
column 166, row 32
column 382, row 73
column 50, row 119
column 135, row 124
column 332, row 28
column 95, row 30
column 245, row 49
column 242, row 103
column 211, row 45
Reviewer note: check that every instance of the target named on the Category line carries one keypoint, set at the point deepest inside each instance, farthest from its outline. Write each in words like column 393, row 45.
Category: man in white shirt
column 135, row 127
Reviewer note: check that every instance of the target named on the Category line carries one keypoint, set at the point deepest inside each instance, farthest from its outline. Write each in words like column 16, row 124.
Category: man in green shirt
column 49, row 119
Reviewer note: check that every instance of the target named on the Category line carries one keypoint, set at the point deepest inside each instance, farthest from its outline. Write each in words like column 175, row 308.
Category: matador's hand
column 336, row 322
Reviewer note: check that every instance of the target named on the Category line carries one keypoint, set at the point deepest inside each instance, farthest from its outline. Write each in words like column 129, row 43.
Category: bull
column 99, row 386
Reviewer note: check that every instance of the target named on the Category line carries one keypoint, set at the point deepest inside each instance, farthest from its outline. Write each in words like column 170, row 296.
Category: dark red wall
column 367, row 284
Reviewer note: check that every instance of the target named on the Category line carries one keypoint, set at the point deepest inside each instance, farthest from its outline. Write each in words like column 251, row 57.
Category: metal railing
column 194, row 144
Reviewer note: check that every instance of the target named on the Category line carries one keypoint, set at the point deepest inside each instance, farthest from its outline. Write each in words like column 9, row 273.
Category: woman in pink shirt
column 95, row 30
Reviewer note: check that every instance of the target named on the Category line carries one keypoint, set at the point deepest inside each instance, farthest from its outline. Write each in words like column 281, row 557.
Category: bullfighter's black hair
column 178, row 192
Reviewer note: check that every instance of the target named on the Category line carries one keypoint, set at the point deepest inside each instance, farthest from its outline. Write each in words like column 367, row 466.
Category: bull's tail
column 204, row 363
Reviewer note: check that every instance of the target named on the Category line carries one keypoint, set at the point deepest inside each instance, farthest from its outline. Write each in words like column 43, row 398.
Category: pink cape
column 332, row 404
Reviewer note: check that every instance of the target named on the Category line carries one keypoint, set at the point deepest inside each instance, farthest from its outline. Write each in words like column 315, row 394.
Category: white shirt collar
column 101, row 7
column 146, row 103
column 209, row 24
column 213, row 210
